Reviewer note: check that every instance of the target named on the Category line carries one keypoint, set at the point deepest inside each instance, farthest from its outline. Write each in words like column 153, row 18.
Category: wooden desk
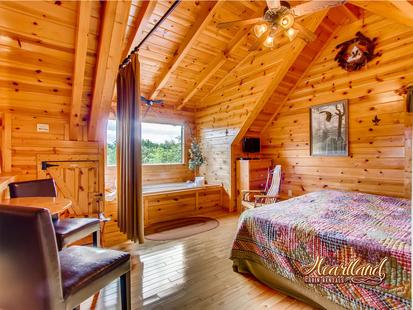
column 55, row 205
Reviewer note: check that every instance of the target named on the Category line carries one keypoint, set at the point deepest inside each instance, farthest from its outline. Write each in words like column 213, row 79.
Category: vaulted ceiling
column 61, row 58
column 188, row 59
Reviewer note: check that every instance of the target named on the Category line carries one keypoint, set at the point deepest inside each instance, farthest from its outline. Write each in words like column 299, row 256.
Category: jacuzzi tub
column 168, row 201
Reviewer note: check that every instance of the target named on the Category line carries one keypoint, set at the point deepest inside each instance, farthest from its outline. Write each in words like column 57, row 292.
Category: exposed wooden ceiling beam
column 295, row 49
column 115, row 18
column 400, row 11
column 203, row 19
column 140, row 22
column 83, row 22
column 215, row 65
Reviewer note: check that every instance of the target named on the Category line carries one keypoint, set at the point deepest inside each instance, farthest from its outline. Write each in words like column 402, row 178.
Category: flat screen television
column 251, row 145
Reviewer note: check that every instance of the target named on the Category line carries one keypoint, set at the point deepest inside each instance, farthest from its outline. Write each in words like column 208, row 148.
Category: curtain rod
column 136, row 49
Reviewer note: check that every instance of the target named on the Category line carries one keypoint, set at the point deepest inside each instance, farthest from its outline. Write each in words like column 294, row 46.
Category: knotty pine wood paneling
column 37, row 57
column 379, row 158
column 25, row 143
column 224, row 112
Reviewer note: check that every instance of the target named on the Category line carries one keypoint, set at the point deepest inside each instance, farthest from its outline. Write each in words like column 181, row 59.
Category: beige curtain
column 128, row 137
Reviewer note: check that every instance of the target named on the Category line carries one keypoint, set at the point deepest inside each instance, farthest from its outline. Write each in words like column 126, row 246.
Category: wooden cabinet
column 251, row 174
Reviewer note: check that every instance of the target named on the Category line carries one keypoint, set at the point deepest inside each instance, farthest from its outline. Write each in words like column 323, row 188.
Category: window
column 111, row 141
column 161, row 143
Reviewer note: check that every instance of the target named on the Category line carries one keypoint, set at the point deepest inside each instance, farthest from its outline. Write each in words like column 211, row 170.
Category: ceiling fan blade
column 146, row 111
column 307, row 35
column 241, row 22
column 260, row 40
column 314, row 6
column 273, row 4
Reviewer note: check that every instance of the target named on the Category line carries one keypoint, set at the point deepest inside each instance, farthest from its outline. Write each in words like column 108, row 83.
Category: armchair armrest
column 267, row 196
column 251, row 191
column 246, row 194
column 266, row 199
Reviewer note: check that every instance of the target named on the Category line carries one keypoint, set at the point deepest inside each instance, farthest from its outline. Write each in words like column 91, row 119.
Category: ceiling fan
column 279, row 16
column 150, row 103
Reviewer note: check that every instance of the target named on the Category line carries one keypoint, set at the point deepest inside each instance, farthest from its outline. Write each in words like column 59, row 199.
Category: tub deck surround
column 163, row 202
column 172, row 187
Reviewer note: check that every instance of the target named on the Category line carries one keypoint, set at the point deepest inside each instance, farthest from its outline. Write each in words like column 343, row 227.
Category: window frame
column 106, row 148
column 183, row 157
column 183, row 144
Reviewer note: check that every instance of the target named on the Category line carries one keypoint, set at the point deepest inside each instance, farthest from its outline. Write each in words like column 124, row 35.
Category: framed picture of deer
column 329, row 129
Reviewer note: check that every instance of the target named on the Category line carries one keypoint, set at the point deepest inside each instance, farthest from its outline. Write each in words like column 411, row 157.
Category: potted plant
column 196, row 159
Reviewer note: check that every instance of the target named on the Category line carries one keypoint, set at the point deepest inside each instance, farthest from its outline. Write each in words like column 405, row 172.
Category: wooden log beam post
column 114, row 24
column 83, row 22
column 206, row 15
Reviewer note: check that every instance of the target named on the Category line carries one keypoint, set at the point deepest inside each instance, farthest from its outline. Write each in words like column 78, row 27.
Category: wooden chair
column 256, row 198
column 67, row 230
column 34, row 275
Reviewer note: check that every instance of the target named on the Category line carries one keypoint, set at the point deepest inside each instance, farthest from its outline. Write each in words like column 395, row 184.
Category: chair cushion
column 73, row 229
column 70, row 226
column 82, row 265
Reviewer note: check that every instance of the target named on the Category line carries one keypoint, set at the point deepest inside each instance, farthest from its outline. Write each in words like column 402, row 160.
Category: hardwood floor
column 192, row 273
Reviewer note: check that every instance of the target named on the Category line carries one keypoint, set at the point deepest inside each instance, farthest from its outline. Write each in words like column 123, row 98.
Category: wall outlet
column 42, row 127
column 290, row 193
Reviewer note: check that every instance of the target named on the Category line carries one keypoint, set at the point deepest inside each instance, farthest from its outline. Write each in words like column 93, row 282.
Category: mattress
column 340, row 229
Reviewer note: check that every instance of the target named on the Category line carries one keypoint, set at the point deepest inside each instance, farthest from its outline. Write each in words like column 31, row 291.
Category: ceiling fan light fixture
column 292, row 33
column 287, row 21
column 269, row 41
column 260, row 29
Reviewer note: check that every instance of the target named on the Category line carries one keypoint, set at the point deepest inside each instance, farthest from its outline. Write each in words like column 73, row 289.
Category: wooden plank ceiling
column 49, row 68
column 188, row 59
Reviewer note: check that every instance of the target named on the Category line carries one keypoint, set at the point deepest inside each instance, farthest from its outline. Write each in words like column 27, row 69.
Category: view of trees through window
column 161, row 143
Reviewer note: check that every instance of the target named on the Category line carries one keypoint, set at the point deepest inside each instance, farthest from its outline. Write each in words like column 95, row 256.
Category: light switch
column 42, row 127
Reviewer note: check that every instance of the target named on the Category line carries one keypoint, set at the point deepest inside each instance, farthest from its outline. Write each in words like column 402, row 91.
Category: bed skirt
column 283, row 285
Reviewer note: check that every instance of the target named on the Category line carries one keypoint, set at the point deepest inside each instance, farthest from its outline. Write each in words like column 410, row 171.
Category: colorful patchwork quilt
column 288, row 238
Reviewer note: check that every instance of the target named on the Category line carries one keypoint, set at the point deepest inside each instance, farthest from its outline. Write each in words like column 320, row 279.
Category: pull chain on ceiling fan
column 280, row 17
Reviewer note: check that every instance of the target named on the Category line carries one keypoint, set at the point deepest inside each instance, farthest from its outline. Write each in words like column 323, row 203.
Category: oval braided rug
column 179, row 228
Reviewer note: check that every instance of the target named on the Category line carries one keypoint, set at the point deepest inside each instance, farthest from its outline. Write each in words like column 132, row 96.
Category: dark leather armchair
column 34, row 275
column 67, row 230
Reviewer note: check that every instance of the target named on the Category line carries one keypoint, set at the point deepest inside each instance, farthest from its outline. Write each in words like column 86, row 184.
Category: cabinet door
column 77, row 181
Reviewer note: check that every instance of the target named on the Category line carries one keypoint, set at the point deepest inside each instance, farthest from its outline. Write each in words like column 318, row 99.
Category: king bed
column 275, row 242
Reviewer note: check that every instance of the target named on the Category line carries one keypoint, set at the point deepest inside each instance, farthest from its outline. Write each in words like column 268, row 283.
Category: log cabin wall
column 225, row 115
column 36, row 79
column 379, row 159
